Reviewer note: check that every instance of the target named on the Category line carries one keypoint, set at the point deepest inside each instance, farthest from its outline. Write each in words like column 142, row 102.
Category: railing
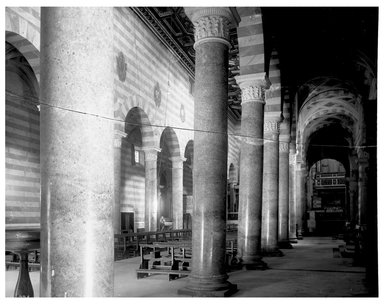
column 329, row 180
column 128, row 244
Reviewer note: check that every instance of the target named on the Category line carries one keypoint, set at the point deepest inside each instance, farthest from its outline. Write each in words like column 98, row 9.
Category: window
column 137, row 156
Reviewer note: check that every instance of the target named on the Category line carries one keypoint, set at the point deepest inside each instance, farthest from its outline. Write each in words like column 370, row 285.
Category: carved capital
column 272, row 126
column 253, row 87
column 211, row 24
column 292, row 159
column 177, row 162
column 151, row 153
column 283, row 147
column 119, row 135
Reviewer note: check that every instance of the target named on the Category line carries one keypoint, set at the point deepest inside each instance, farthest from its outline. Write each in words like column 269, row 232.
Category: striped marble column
column 76, row 152
column 208, row 276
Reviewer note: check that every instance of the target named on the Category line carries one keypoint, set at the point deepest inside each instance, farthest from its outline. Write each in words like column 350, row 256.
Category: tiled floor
column 308, row 270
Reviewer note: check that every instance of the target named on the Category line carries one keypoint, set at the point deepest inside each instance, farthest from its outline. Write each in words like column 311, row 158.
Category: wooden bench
column 163, row 259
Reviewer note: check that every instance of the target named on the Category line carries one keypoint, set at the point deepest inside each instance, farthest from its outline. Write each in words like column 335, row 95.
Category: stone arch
column 27, row 49
column 188, row 185
column 169, row 138
column 137, row 118
column 22, row 129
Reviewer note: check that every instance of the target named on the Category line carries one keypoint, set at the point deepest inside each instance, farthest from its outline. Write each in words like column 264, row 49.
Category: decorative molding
column 121, row 66
column 157, row 94
column 148, row 17
column 182, row 113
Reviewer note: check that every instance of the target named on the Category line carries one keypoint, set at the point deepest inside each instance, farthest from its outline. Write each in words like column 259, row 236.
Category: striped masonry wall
column 251, row 41
column 151, row 71
column 156, row 84
column 273, row 98
column 22, row 142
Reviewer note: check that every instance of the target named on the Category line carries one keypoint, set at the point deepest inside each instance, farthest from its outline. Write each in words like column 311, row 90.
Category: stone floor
column 311, row 269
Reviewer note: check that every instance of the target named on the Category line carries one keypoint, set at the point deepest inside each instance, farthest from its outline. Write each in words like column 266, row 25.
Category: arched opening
column 327, row 198
column 167, row 176
column 22, row 144
column 188, row 186
column 132, row 187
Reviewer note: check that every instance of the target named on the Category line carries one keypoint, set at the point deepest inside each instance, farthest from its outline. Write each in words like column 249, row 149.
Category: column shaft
column 151, row 203
column 117, row 181
column 292, row 197
column 76, row 152
column 269, row 231
column 177, row 193
column 300, row 201
column 283, row 222
column 251, row 170
column 208, row 276
column 362, row 192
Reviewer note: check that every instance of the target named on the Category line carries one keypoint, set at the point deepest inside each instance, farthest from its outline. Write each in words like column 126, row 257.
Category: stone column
column 283, row 222
column 76, row 152
column 119, row 135
column 208, row 276
column 292, row 196
column 251, row 169
column 353, row 196
column 151, row 203
column 269, row 232
column 300, row 199
column 362, row 189
column 177, row 191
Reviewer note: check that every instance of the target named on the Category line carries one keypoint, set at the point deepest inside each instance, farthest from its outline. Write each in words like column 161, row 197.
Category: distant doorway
column 127, row 222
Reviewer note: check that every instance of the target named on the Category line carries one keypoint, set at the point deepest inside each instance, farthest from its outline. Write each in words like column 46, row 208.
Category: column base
column 293, row 240
column 253, row 263
column 226, row 291
column 284, row 245
column 272, row 253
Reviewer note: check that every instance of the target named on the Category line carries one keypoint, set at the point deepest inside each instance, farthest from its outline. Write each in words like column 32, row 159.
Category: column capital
column 253, row 87
column 211, row 23
column 283, row 147
column 272, row 125
column 118, row 136
column 292, row 159
column 151, row 153
column 177, row 161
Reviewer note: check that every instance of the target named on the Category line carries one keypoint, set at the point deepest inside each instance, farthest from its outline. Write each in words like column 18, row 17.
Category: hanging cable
column 39, row 102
